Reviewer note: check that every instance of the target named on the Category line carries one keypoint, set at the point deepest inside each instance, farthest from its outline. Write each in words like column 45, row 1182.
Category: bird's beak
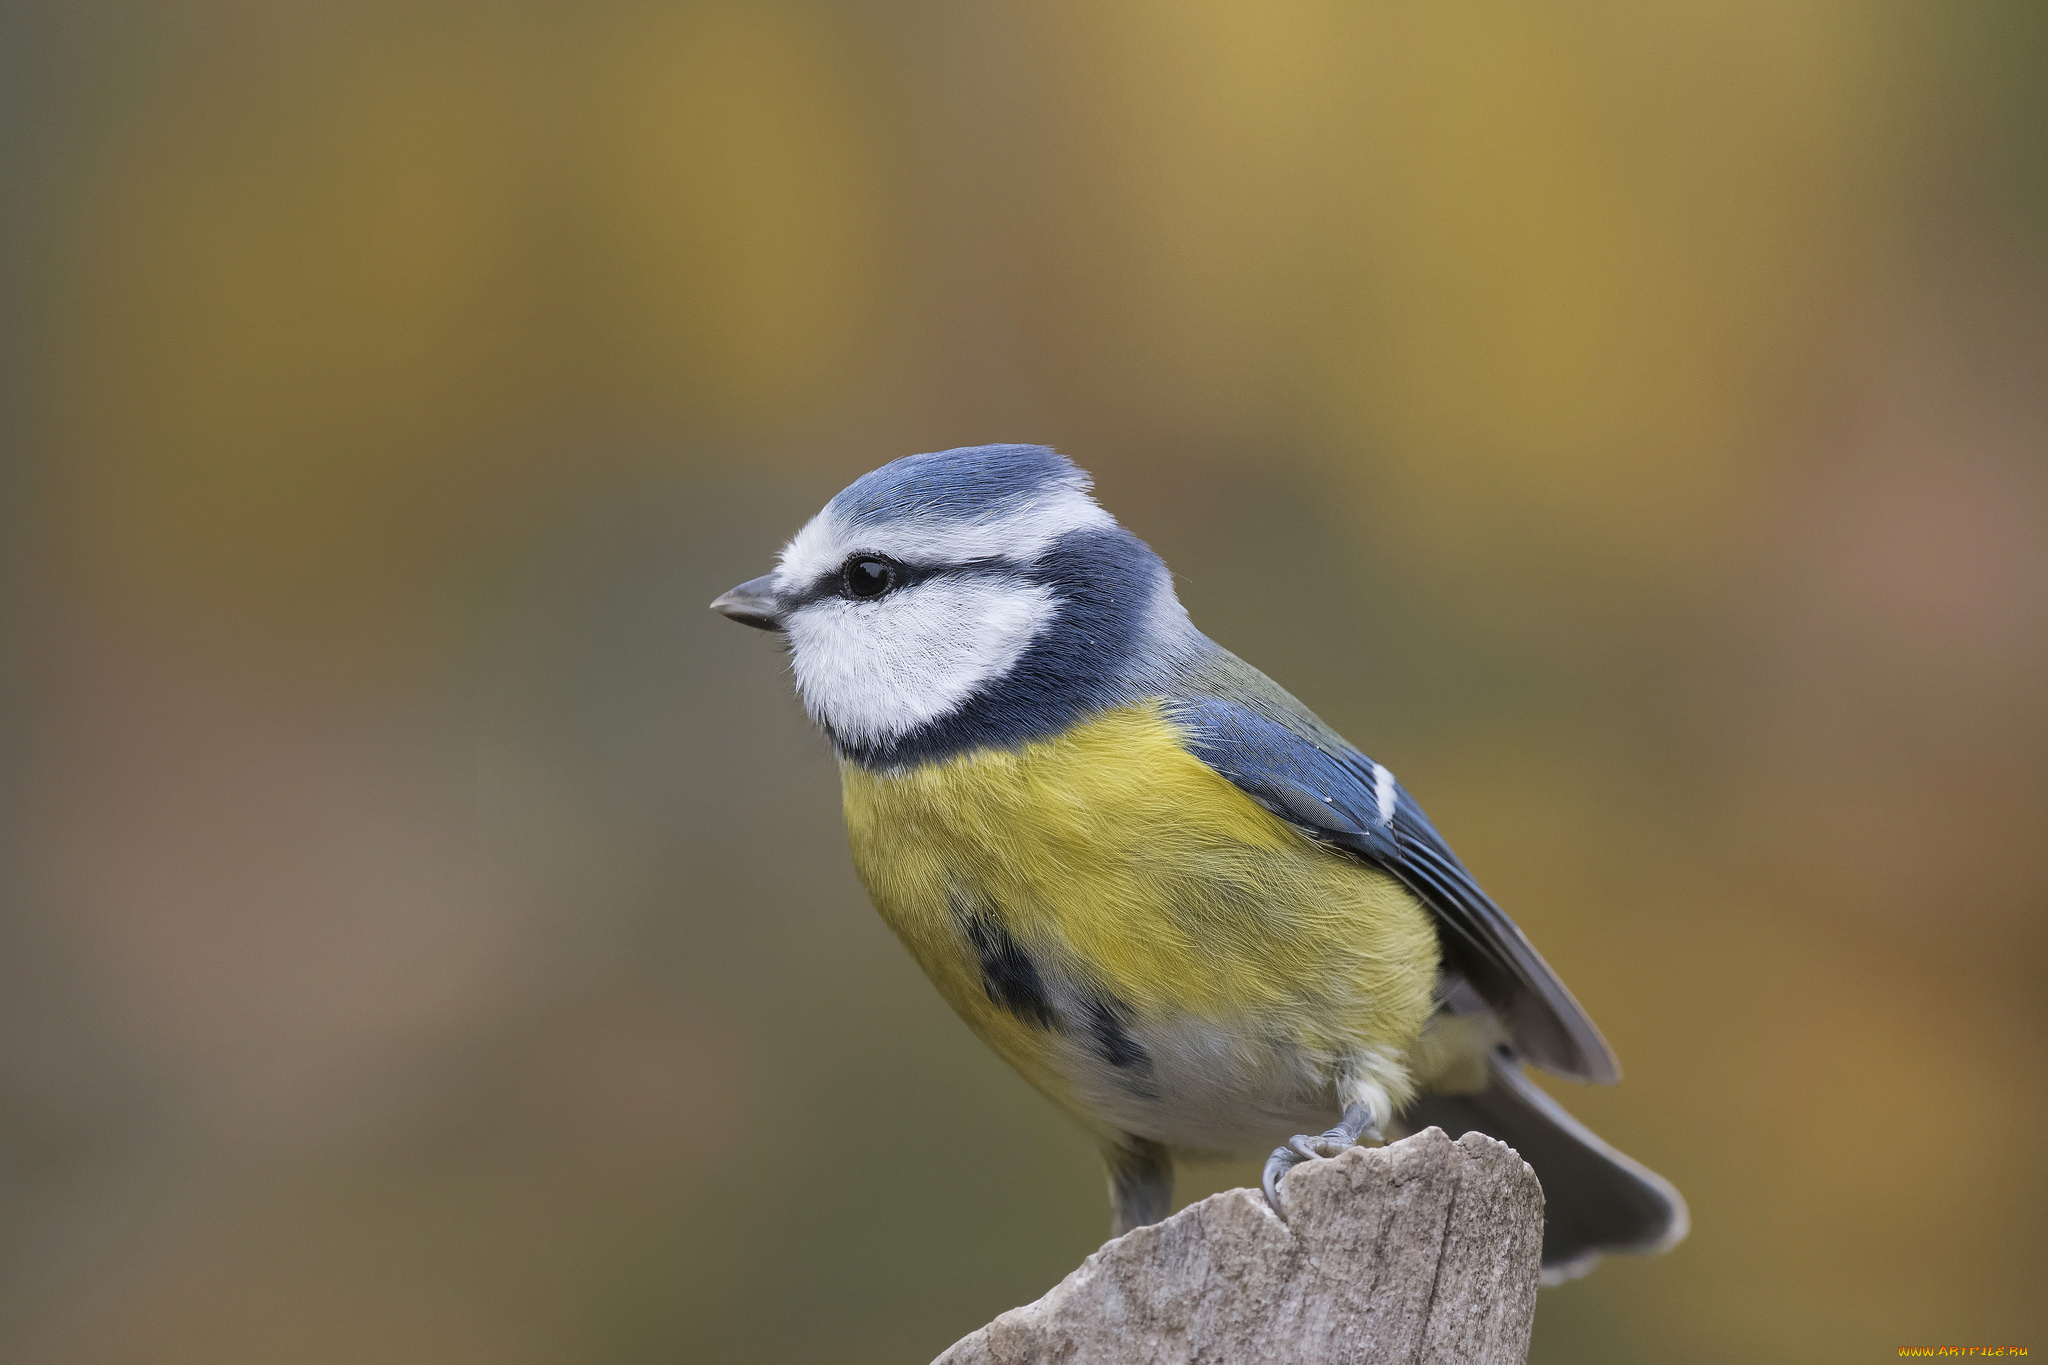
column 752, row 603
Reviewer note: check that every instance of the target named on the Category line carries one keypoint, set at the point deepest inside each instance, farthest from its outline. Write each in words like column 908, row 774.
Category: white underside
column 1222, row 1092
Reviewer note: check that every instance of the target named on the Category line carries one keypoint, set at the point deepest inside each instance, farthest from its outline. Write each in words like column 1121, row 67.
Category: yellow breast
column 1110, row 867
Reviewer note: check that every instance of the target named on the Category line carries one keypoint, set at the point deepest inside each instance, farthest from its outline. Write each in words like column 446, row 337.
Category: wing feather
column 1333, row 794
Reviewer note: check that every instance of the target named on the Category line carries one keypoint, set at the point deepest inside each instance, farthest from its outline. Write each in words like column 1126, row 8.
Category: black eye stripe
column 832, row 583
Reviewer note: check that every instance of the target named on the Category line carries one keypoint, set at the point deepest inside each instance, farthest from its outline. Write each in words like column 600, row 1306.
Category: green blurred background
column 427, row 931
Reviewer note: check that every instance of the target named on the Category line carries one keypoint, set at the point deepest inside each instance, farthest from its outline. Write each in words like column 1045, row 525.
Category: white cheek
column 875, row 670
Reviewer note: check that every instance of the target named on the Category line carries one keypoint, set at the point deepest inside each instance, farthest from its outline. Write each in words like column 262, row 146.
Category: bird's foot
column 1357, row 1126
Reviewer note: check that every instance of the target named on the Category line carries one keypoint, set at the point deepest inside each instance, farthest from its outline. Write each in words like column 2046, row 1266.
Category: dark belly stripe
column 1014, row 984
column 1008, row 974
column 1113, row 1042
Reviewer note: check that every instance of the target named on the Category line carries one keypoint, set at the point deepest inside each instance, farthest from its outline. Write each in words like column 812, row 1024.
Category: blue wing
column 1338, row 796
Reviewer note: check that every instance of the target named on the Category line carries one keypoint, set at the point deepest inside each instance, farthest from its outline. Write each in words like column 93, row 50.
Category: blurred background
column 427, row 933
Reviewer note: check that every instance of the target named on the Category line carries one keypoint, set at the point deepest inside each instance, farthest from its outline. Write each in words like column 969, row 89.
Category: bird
column 1183, row 907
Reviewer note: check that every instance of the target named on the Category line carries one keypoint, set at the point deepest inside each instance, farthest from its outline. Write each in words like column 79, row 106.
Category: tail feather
column 1595, row 1199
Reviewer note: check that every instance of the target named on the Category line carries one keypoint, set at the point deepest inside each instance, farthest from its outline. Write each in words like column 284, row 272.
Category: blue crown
column 967, row 481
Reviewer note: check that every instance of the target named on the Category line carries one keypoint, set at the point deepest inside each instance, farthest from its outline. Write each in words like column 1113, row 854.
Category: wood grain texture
column 1423, row 1251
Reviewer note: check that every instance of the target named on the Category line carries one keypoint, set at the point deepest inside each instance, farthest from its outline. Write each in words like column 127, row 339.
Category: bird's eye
column 866, row 576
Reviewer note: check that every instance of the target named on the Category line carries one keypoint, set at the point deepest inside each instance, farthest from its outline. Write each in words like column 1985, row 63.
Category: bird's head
column 963, row 597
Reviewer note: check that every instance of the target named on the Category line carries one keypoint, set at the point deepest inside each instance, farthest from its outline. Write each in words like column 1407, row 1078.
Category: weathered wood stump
column 1423, row 1251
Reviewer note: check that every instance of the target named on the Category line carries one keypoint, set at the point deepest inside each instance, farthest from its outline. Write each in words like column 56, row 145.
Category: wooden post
column 1423, row 1251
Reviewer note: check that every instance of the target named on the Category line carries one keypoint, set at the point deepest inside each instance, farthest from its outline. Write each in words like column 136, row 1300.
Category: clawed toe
column 1283, row 1160
column 1336, row 1142
column 1358, row 1126
column 1301, row 1147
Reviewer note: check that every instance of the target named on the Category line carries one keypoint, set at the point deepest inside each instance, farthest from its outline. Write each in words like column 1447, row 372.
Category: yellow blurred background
column 427, row 931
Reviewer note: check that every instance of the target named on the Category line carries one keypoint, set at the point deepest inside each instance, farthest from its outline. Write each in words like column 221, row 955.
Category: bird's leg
column 1356, row 1125
column 1140, row 1183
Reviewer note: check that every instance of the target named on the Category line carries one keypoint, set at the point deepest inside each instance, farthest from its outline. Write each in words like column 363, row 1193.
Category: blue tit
column 1183, row 907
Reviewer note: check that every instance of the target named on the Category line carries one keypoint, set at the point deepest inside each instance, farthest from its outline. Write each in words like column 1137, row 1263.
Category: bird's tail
column 1595, row 1199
